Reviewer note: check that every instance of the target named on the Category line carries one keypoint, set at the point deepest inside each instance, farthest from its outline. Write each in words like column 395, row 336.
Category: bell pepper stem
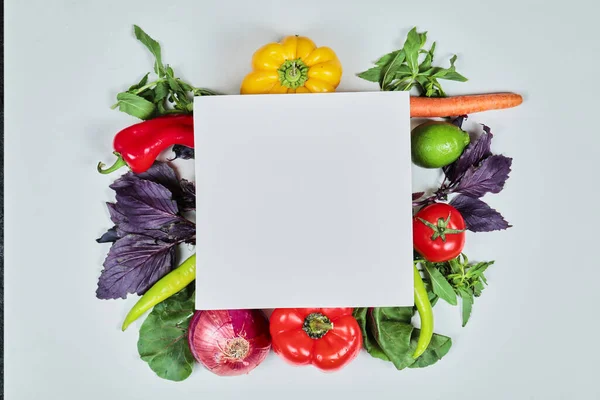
column 119, row 163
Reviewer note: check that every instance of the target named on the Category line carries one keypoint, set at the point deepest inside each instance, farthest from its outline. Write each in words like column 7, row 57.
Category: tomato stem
column 441, row 229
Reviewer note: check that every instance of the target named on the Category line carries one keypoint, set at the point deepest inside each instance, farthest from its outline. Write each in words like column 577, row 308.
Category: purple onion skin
column 229, row 342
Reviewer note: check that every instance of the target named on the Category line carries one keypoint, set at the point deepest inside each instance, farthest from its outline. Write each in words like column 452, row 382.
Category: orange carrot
column 459, row 105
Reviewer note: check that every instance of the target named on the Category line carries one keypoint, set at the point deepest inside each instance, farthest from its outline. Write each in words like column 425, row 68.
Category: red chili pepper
column 138, row 145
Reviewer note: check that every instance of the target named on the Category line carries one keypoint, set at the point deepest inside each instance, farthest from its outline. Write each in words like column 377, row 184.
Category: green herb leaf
column 393, row 337
column 135, row 105
column 414, row 42
column 438, row 347
column 371, row 75
column 440, row 285
column 163, row 337
column 140, row 84
column 369, row 342
column 467, row 304
column 400, row 70
column 154, row 48
column 388, row 70
column 161, row 91
column 397, row 339
column 426, row 64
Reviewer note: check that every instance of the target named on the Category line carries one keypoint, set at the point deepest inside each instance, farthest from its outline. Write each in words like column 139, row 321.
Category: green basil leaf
column 163, row 337
column 441, row 287
column 426, row 64
column 161, row 91
column 203, row 92
column 371, row 75
column 170, row 72
column 135, row 105
column 141, row 83
column 411, row 48
column 467, row 304
column 438, row 348
column 154, row 48
column 173, row 84
column 387, row 71
column 387, row 58
column 148, row 94
column 454, row 76
column 369, row 342
column 185, row 86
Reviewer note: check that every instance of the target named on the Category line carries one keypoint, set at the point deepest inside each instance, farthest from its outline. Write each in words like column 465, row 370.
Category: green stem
column 119, row 163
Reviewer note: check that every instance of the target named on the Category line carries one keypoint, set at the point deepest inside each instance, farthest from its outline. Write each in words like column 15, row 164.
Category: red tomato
column 438, row 232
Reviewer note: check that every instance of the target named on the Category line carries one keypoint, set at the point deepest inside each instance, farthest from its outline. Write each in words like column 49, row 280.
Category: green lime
column 436, row 144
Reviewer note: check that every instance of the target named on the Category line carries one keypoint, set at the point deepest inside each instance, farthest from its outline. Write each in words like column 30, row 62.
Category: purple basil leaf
column 147, row 208
column 146, row 204
column 478, row 216
column 183, row 152
column 488, row 177
column 110, row 236
column 163, row 174
column 417, row 195
column 187, row 200
column 473, row 155
column 133, row 264
column 458, row 121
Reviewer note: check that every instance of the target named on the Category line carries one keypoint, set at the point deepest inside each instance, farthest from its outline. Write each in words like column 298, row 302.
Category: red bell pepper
column 328, row 338
column 138, row 145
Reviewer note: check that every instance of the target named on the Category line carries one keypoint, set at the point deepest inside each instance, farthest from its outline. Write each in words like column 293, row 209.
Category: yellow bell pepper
column 296, row 65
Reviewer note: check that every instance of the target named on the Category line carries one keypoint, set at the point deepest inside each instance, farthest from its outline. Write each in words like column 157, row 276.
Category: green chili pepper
column 166, row 287
column 425, row 314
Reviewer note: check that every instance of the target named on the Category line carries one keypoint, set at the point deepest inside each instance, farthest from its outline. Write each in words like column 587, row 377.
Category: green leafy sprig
column 411, row 66
column 456, row 278
column 166, row 94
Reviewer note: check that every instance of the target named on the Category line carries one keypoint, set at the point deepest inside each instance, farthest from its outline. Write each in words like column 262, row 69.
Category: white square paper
column 303, row 200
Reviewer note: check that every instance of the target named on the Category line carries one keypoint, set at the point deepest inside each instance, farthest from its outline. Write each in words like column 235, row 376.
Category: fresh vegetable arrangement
column 150, row 220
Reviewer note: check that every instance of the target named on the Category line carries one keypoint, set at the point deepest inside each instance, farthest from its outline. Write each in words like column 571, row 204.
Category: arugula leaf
column 487, row 177
column 163, row 337
column 467, row 304
column 440, row 285
column 135, row 105
column 401, row 70
column 478, row 216
column 154, row 48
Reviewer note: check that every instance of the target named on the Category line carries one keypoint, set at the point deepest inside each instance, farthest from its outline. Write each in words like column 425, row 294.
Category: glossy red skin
column 331, row 352
column 437, row 250
column 140, row 144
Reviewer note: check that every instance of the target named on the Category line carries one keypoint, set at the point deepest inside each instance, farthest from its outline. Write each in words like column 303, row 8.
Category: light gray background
column 314, row 204
column 532, row 333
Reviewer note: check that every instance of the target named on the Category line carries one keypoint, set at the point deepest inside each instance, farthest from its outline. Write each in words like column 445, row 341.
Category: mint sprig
column 411, row 66
column 166, row 94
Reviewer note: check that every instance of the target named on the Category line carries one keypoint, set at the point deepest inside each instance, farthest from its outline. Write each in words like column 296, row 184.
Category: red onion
column 229, row 342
